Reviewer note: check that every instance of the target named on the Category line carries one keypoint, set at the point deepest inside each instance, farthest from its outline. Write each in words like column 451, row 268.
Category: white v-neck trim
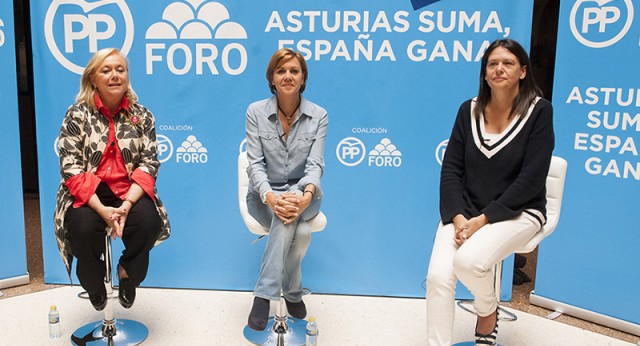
column 499, row 140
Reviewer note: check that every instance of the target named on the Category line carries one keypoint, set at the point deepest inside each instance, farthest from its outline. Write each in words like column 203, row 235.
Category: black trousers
column 86, row 232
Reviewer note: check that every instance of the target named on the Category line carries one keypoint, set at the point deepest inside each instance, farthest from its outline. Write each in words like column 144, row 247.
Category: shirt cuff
column 146, row 182
column 82, row 186
column 263, row 196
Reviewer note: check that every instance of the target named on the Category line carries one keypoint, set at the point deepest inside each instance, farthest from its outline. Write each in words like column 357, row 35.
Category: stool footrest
column 505, row 315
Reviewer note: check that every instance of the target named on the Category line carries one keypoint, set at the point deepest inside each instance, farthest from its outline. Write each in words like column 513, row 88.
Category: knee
column 144, row 217
column 84, row 229
column 466, row 265
column 439, row 281
column 303, row 235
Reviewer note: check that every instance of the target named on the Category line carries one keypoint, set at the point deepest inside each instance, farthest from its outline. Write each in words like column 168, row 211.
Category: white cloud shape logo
column 191, row 145
column 385, row 148
column 196, row 19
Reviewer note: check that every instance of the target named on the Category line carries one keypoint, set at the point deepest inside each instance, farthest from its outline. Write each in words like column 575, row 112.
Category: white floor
column 192, row 317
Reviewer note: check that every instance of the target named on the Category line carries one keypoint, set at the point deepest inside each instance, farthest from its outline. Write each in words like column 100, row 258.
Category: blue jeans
column 286, row 246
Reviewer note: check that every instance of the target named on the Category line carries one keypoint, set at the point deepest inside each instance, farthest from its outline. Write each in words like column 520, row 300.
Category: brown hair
column 280, row 57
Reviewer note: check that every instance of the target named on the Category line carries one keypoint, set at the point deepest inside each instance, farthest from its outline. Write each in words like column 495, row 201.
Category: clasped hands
column 116, row 218
column 288, row 205
column 464, row 228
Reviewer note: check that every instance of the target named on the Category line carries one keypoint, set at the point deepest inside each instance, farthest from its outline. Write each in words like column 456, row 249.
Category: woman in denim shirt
column 285, row 147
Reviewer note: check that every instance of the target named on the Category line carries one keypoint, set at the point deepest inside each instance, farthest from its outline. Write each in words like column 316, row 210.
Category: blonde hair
column 280, row 57
column 87, row 90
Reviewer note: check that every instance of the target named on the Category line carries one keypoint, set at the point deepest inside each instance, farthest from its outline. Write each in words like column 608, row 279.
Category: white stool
column 281, row 330
column 555, row 190
column 110, row 331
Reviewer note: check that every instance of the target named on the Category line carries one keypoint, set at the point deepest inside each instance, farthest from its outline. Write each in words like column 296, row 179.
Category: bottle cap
column 53, row 307
column 312, row 319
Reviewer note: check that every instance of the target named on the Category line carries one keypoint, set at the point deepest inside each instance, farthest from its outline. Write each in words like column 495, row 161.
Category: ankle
column 486, row 324
column 122, row 274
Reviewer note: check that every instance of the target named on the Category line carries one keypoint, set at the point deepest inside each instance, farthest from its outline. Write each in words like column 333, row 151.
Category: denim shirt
column 276, row 164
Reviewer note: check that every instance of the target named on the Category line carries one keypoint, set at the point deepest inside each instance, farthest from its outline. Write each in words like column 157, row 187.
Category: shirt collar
column 124, row 105
column 273, row 107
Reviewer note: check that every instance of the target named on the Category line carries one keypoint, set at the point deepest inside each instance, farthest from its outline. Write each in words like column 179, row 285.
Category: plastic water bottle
column 312, row 332
column 54, row 322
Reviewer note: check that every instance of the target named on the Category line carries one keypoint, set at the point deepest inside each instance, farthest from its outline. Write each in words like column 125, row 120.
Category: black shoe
column 98, row 300
column 296, row 310
column 126, row 293
column 259, row 314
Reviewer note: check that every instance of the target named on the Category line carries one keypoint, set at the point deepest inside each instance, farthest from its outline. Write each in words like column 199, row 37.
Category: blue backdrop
column 12, row 247
column 591, row 260
column 390, row 77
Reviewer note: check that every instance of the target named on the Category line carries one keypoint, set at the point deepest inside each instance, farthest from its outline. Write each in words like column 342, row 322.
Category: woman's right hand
column 460, row 225
column 111, row 217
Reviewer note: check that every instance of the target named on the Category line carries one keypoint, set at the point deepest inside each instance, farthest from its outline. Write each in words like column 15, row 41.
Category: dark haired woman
column 492, row 189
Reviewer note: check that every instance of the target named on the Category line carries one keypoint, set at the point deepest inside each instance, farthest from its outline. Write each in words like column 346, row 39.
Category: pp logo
column 55, row 146
column 196, row 24
column 165, row 148
column 385, row 154
column 81, row 28
column 192, row 151
column 440, row 149
column 1, row 33
column 601, row 23
column 350, row 151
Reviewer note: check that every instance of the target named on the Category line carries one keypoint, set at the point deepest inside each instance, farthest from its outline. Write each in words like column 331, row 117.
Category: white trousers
column 473, row 264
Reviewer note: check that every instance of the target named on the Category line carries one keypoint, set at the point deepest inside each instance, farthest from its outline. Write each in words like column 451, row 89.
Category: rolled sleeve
column 146, row 182
column 82, row 187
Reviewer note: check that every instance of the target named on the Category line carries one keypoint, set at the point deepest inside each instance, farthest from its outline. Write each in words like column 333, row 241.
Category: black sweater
column 501, row 180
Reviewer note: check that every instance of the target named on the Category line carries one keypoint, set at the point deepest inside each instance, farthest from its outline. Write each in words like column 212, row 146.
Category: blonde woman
column 108, row 168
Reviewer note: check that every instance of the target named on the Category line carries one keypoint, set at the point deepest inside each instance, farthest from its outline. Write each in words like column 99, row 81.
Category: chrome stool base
column 290, row 332
column 110, row 331
column 119, row 332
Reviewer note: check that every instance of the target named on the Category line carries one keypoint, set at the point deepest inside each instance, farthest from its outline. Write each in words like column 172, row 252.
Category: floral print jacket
column 82, row 140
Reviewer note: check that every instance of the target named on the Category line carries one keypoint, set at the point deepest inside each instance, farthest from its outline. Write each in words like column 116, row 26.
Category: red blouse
column 111, row 170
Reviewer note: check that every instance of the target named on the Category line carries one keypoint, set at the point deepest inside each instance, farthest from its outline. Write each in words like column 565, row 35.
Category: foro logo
column 440, row 149
column 81, row 28
column 1, row 33
column 195, row 23
column 601, row 23
column 350, row 151
column 385, row 154
column 165, row 148
column 192, row 151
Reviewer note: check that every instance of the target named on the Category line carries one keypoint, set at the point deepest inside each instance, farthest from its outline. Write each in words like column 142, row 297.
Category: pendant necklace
column 289, row 117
